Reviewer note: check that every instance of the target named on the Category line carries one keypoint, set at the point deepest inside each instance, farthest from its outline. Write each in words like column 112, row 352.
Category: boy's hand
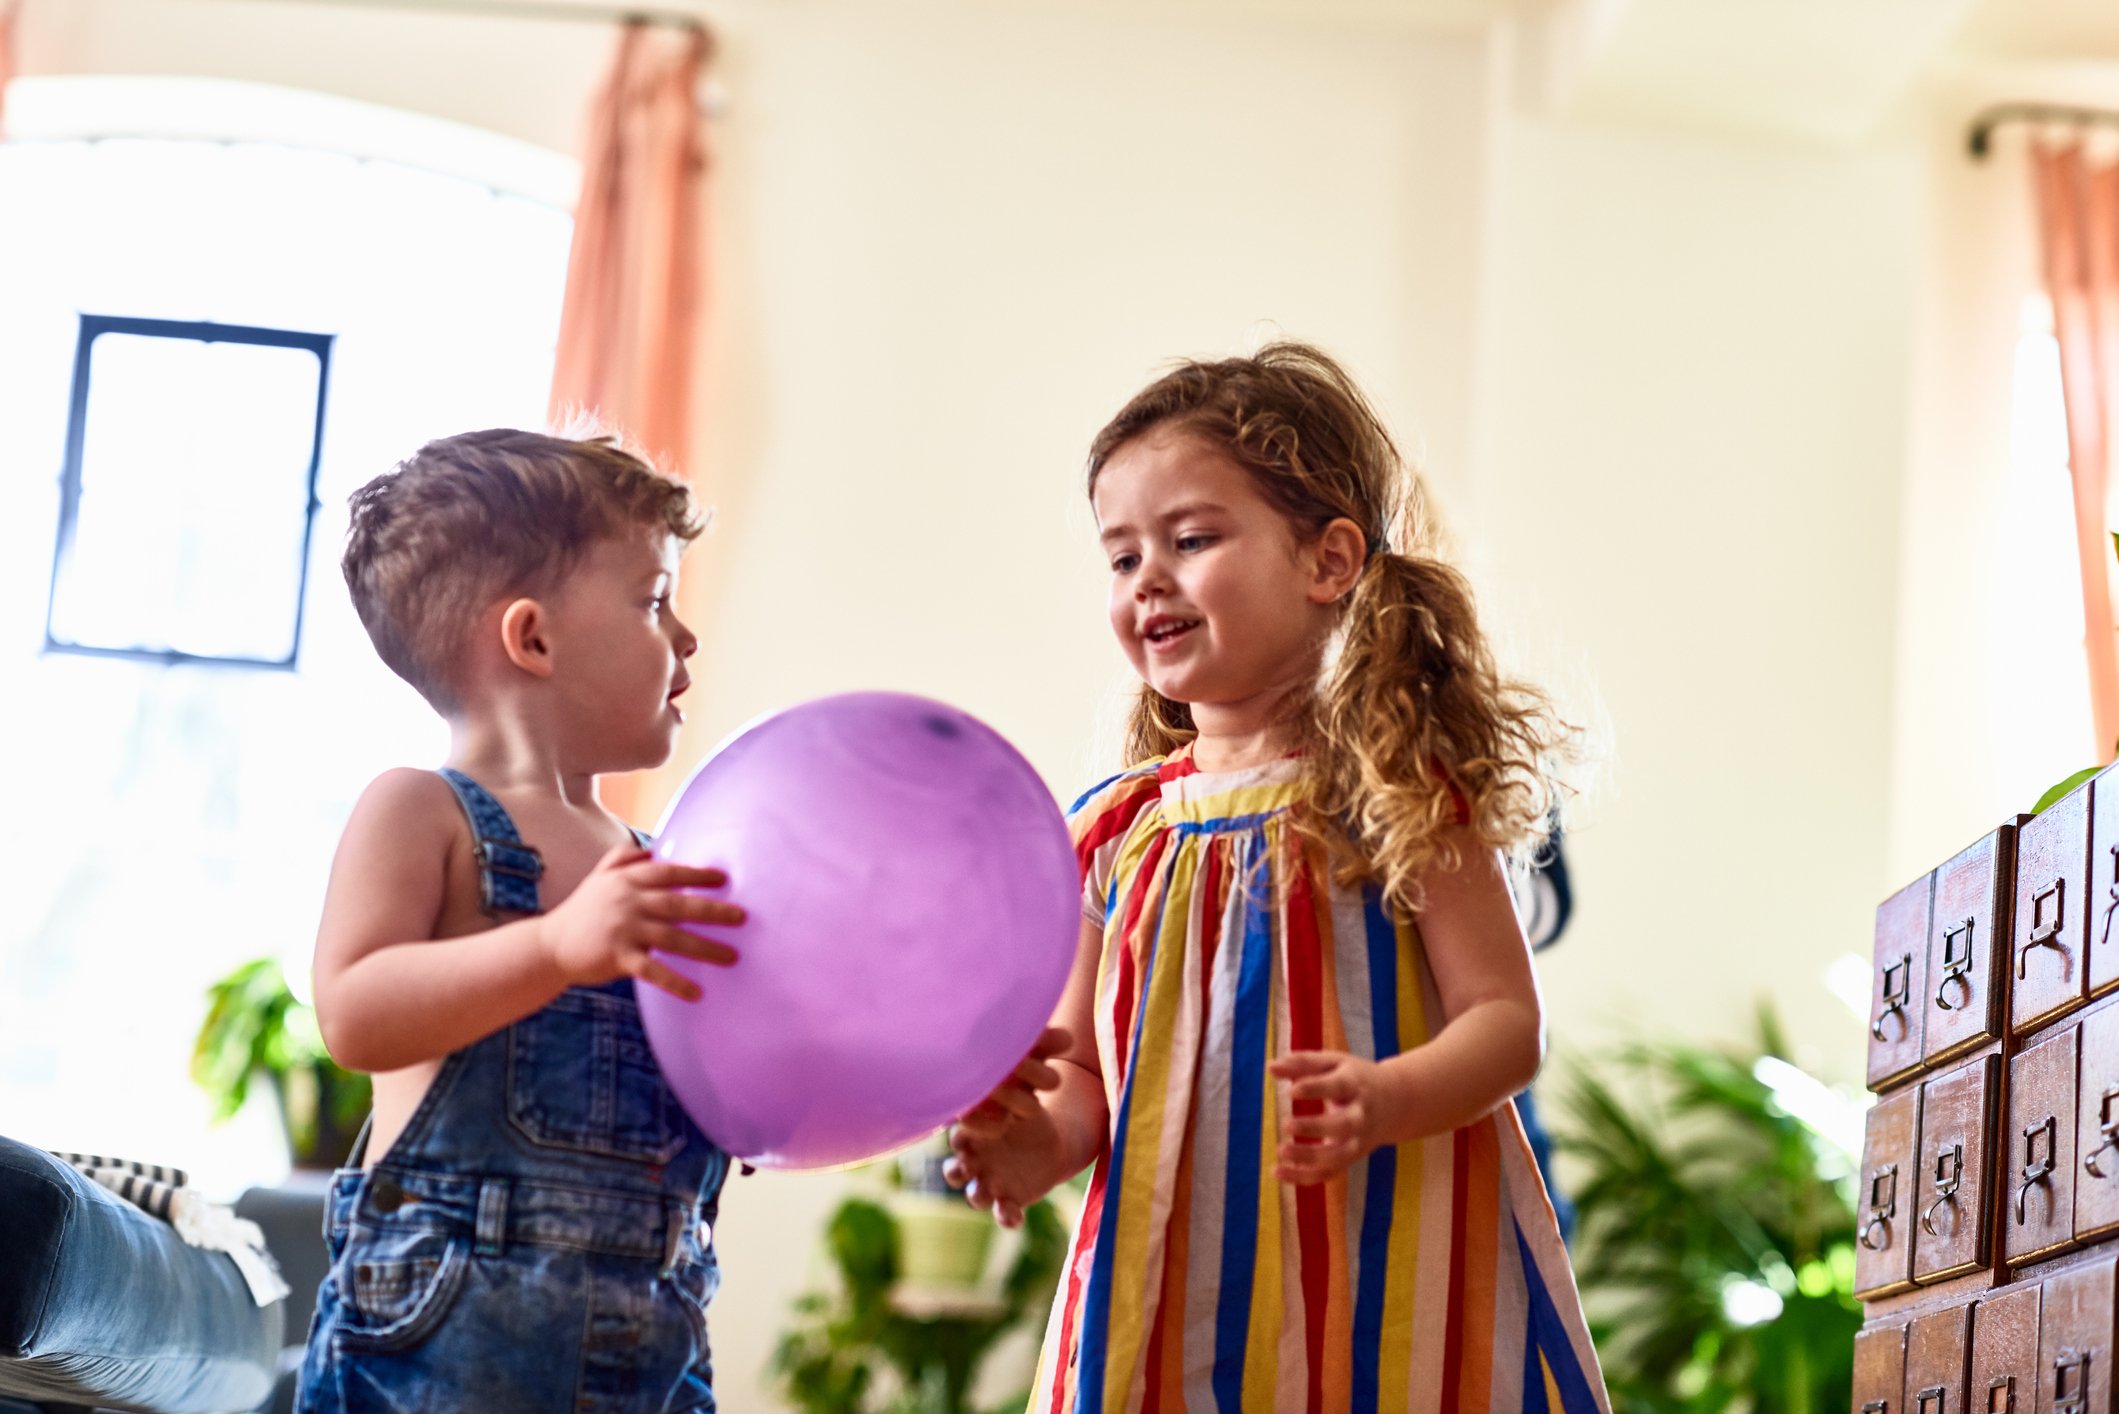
column 1337, row 1120
column 1006, row 1147
column 627, row 910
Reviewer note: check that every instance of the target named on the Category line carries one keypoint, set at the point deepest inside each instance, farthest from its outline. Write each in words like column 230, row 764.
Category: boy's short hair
column 482, row 516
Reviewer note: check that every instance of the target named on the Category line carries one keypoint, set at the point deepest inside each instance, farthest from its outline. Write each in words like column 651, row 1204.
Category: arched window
column 169, row 822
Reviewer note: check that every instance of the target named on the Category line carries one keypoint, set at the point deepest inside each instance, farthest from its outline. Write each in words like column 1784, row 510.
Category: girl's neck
column 1234, row 740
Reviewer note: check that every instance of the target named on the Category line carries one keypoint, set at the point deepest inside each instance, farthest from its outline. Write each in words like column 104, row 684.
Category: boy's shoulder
column 414, row 809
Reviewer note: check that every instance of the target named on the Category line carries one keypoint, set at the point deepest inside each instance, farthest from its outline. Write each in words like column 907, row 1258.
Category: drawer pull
column 2107, row 1129
column 1877, row 1406
column 1896, row 994
column 2035, row 1169
column 1946, row 1186
column 1956, row 966
column 2074, row 1400
column 2005, row 1386
column 2045, row 932
column 1883, row 1206
column 1934, row 1395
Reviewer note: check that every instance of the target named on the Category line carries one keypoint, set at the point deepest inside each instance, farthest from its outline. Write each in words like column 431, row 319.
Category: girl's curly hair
column 1409, row 715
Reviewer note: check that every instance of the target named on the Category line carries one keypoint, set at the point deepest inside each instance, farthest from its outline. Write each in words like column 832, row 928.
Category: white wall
column 1691, row 422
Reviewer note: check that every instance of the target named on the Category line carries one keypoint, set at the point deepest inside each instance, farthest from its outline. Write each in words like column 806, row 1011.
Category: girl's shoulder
column 1109, row 807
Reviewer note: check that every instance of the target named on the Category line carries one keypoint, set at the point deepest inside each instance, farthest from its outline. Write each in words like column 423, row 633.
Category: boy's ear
column 1336, row 558
column 524, row 637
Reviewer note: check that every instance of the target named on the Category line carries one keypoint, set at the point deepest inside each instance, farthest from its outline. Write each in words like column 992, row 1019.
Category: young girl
column 1302, row 998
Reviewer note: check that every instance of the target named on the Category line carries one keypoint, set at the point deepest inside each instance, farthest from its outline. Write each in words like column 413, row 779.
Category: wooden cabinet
column 1938, row 1347
column 1883, row 1258
column 1968, row 925
column 2049, row 931
column 1898, row 985
column 1951, row 1189
column 2075, row 1341
column 2004, row 1369
column 1880, row 1371
column 2038, row 1149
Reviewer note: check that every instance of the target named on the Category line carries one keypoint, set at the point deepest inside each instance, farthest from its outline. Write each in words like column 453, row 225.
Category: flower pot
column 942, row 1240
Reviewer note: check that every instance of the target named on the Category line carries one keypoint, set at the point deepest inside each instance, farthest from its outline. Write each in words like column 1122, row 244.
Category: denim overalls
column 539, row 1238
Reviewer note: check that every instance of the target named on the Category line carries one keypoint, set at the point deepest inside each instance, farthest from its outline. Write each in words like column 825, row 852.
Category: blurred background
column 1733, row 370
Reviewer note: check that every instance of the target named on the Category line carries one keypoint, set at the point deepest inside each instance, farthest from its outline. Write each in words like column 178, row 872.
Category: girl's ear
column 524, row 639
column 1336, row 560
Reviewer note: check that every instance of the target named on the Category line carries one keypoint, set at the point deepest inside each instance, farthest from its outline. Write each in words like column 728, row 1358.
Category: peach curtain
column 630, row 325
column 2078, row 218
column 9, row 9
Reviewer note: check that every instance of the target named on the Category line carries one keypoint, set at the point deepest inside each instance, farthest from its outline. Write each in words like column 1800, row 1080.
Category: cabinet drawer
column 2004, row 1378
column 2049, row 928
column 1938, row 1347
column 2038, row 1148
column 1950, row 1189
column 1969, row 922
column 2102, row 890
column 1883, row 1257
column 1880, row 1371
column 2075, row 1341
column 1898, row 985
column 2097, row 1126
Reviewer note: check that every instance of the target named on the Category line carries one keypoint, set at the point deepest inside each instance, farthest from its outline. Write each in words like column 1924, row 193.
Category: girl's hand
column 1337, row 1120
column 1006, row 1149
column 628, row 909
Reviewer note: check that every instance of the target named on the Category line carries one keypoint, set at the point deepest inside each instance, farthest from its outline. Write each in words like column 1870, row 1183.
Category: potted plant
column 1715, row 1246
column 877, row 1345
column 256, row 1025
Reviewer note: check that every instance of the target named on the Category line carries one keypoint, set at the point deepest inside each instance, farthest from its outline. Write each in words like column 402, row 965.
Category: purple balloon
column 912, row 906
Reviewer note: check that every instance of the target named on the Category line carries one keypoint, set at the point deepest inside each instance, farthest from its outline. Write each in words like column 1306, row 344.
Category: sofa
column 103, row 1307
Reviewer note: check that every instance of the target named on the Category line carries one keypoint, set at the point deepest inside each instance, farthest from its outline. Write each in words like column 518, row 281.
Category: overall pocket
column 394, row 1286
column 581, row 1077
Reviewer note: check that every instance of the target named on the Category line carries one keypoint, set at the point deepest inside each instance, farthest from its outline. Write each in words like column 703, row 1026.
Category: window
column 173, row 820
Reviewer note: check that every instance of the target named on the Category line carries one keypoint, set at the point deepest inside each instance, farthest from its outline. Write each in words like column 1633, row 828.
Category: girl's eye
column 1124, row 564
column 1194, row 542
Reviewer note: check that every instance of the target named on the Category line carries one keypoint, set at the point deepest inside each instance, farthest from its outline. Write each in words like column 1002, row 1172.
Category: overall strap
column 642, row 837
column 508, row 869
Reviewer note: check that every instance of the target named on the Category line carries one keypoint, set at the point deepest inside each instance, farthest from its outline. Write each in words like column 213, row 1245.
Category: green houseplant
column 1715, row 1250
column 256, row 1025
column 863, row 1350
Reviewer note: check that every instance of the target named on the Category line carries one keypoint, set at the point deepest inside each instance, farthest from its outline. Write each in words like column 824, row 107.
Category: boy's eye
column 1124, row 564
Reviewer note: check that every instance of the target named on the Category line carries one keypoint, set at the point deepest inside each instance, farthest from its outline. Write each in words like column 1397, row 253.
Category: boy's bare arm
column 389, row 994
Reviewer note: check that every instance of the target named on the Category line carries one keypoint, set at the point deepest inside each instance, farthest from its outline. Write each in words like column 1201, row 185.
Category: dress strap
column 508, row 869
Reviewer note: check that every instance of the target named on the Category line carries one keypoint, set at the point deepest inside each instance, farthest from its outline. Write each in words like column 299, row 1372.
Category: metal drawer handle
column 2112, row 904
column 2005, row 1386
column 1933, row 1394
column 2065, row 1400
column 1896, row 994
column 1883, row 1206
column 1956, row 966
column 2035, row 1169
column 1877, row 1406
column 2107, row 1130
column 2045, row 932
column 1945, row 1187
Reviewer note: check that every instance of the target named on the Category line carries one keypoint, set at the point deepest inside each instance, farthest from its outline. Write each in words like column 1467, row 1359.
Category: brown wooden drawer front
column 1883, row 1256
column 2075, row 1342
column 1898, row 986
column 2004, row 1377
column 1937, row 1350
column 2038, row 1149
column 2049, row 929
column 2103, row 888
column 1880, row 1371
column 1950, row 1191
column 1967, row 925
column 2097, row 1126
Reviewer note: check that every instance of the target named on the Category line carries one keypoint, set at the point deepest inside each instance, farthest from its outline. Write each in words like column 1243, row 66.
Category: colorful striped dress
column 1429, row 1277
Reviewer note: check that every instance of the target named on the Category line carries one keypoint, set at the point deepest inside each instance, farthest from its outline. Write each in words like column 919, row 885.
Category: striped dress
column 1429, row 1277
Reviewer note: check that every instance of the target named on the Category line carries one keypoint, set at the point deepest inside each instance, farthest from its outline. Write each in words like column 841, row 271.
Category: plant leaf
column 2057, row 793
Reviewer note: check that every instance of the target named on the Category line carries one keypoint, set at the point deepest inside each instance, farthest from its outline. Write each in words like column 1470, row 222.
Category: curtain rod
column 1979, row 139
column 577, row 13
